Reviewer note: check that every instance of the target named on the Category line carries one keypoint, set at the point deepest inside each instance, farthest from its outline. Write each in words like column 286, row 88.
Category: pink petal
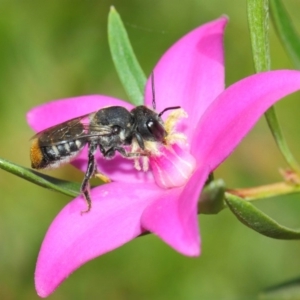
column 235, row 112
column 58, row 111
column 191, row 73
column 73, row 239
column 174, row 217
column 55, row 112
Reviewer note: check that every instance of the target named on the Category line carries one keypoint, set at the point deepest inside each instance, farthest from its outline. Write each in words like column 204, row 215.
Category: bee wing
column 74, row 129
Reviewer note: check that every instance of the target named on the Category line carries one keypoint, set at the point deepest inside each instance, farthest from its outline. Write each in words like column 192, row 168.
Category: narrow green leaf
column 289, row 291
column 126, row 63
column 259, row 26
column 212, row 198
column 259, row 221
column 258, row 19
column 65, row 187
column 286, row 31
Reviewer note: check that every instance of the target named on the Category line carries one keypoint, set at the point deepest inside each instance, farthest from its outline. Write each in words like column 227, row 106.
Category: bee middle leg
column 91, row 168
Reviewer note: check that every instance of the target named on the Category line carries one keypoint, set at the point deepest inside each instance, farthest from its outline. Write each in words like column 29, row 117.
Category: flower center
column 173, row 166
column 171, row 162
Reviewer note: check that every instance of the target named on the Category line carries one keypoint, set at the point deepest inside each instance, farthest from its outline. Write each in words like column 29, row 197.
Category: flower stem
column 258, row 18
column 280, row 140
column 286, row 31
column 265, row 191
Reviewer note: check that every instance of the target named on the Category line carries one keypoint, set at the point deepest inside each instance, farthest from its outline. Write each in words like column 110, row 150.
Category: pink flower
column 190, row 74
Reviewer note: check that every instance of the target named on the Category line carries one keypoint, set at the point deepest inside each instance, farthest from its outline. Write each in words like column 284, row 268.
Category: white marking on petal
column 173, row 167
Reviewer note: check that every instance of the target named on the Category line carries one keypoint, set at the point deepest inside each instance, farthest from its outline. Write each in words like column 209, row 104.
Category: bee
column 110, row 129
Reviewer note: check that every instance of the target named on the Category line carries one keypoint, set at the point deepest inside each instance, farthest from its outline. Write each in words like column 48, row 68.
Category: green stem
column 280, row 140
column 286, row 31
column 258, row 18
column 265, row 191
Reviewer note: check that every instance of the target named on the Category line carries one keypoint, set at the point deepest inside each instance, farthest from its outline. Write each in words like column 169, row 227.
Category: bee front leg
column 85, row 186
column 124, row 153
column 136, row 157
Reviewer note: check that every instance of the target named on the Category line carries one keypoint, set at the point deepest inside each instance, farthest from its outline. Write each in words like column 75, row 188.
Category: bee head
column 149, row 125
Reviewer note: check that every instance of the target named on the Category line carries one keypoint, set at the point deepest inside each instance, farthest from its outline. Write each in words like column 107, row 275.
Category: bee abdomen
column 53, row 156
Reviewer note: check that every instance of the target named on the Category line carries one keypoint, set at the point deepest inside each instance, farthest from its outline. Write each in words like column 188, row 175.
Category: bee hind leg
column 85, row 186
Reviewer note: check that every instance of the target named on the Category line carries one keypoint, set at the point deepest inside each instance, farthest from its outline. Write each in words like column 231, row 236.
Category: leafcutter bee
column 110, row 129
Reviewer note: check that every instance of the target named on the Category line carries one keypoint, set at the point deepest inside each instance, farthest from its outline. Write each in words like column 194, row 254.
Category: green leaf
column 288, row 291
column 286, row 31
column 259, row 221
column 258, row 19
column 128, row 68
column 65, row 187
column 212, row 198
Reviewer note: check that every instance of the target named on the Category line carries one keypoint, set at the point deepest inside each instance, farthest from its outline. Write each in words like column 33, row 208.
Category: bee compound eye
column 156, row 129
column 150, row 126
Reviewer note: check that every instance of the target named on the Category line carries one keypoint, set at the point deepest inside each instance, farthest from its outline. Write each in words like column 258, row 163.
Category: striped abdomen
column 53, row 156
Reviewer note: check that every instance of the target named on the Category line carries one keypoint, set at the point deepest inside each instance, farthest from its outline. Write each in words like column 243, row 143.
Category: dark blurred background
column 56, row 49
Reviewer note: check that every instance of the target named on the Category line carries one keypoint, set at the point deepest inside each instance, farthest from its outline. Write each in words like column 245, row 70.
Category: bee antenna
column 153, row 98
column 153, row 91
column 168, row 108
